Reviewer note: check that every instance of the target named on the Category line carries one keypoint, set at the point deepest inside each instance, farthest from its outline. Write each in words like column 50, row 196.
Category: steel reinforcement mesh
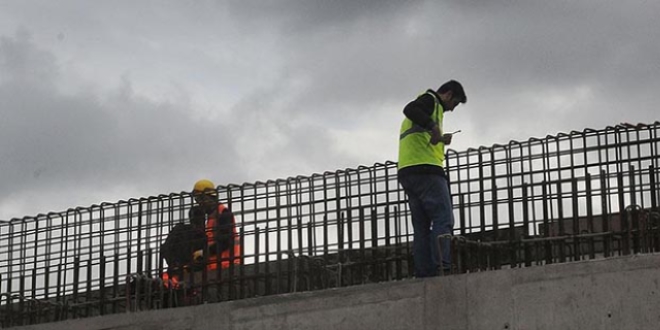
column 572, row 196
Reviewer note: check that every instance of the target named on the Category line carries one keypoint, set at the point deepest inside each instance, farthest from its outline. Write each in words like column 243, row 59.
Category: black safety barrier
column 574, row 196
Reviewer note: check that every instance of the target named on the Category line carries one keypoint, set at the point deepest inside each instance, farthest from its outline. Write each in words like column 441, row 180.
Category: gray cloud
column 52, row 142
column 146, row 100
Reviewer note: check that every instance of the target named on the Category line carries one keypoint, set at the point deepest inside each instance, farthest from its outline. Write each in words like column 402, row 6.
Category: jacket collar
column 437, row 97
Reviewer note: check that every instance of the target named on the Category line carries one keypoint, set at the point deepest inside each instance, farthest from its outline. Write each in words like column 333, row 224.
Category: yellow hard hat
column 204, row 186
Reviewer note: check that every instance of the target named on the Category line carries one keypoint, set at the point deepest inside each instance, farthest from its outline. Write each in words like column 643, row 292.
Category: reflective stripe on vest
column 414, row 145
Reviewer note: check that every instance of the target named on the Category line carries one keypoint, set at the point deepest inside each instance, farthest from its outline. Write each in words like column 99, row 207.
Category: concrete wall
column 619, row 293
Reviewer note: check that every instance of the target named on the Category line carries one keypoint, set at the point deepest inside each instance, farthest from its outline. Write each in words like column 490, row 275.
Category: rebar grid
column 553, row 199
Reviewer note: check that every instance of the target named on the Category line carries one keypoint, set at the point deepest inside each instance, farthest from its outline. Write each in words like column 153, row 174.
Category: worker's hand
column 436, row 136
column 446, row 138
column 198, row 255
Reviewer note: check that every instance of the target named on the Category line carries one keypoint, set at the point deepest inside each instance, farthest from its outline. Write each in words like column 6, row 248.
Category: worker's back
column 182, row 241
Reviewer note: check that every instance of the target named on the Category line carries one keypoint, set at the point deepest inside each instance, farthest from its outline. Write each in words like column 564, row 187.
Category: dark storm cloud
column 559, row 50
column 541, row 67
column 345, row 52
column 530, row 68
column 302, row 17
column 53, row 142
column 295, row 87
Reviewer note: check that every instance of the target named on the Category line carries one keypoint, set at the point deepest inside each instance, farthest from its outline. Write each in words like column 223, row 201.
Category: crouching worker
column 211, row 233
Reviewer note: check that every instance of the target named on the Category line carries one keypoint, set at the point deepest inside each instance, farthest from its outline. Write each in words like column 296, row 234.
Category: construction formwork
column 573, row 196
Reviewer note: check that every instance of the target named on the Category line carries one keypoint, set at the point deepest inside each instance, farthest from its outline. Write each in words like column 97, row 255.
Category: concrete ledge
column 618, row 293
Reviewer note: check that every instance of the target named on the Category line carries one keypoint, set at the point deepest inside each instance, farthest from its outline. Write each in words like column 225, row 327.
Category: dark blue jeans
column 432, row 215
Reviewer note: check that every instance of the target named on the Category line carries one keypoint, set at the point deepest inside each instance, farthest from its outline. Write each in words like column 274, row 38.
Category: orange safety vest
column 225, row 255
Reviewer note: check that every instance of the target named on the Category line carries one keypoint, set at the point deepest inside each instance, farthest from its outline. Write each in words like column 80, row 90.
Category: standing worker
column 221, row 233
column 421, row 174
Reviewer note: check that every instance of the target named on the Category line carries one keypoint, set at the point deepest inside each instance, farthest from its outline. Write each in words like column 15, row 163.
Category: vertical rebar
column 590, row 217
column 623, row 218
column 576, row 220
column 605, row 218
column 549, row 231
column 525, row 205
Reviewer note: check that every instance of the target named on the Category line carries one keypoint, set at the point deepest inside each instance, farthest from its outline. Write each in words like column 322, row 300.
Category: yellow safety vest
column 414, row 145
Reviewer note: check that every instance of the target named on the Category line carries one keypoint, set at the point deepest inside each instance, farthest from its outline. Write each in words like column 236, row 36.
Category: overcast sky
column 107, row 100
